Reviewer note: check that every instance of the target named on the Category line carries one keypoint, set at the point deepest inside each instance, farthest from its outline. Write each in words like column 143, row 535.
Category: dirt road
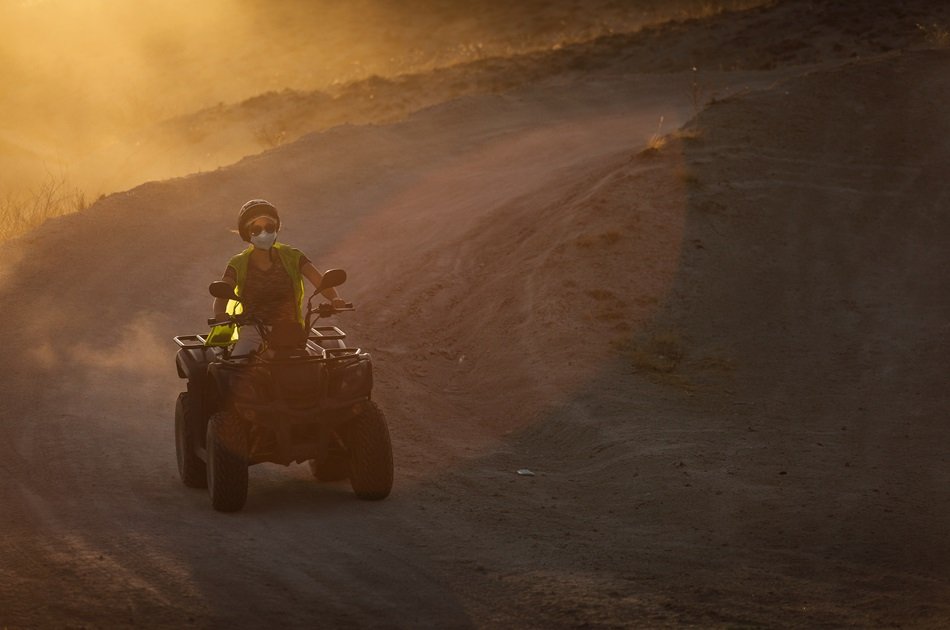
column 98, row 530
column 724, row 360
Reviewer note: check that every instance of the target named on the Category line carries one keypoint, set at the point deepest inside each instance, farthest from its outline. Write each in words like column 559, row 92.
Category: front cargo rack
column 317, row 333
column 322, row 333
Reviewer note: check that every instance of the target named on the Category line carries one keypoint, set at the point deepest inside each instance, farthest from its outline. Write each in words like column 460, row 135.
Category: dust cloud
column 86, row 79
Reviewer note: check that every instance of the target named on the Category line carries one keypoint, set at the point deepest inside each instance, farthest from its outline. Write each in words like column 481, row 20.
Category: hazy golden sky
column 93, row 68
column 110, row 65
column 81, row 75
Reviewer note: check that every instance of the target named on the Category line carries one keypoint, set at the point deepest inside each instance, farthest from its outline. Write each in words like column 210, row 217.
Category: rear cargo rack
column 190, row 342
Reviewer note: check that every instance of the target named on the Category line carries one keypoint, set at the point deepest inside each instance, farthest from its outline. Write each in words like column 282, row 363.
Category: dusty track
column 96, row 527
column 520, row 270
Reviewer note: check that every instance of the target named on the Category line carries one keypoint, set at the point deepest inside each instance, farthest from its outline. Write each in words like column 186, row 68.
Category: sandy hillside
column 723, row 358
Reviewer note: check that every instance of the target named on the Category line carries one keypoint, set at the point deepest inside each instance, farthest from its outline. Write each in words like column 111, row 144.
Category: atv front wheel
column 190, row 467
column 227, row 462
column 371, row 454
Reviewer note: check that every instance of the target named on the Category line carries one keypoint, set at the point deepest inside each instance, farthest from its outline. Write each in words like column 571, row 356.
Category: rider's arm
column 220, row 305
column 310, row 273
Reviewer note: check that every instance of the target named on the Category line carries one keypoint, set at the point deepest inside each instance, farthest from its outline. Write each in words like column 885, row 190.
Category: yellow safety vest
column 226, row 334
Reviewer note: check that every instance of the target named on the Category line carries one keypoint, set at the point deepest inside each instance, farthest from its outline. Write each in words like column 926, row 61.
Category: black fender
column 221, row 378
column 192, row 363
column 218, row 380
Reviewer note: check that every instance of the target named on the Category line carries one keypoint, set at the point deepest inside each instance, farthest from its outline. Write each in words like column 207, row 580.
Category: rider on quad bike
column 267, row 275
column 265, row 385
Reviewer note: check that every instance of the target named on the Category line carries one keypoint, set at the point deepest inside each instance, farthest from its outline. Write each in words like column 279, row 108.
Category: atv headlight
column 350, row 380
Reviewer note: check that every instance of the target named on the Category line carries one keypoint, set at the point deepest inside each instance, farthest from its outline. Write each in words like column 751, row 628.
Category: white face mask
column 264, row 240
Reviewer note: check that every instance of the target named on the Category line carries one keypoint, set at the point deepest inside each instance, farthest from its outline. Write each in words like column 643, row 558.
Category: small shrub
column 270, row 137
column 53, row 197
column 689, row 134
column 936, row 35
column 662, row 352
column 656, row 142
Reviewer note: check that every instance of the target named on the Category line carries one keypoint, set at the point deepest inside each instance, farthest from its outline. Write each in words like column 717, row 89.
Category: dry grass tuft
column 689, row 134
column 54, row 197
column 656, row 142
column 936, row 35
column 661, row 357
column 271, row 136
column 658, row 357
column 710, row 9
column 662, row 352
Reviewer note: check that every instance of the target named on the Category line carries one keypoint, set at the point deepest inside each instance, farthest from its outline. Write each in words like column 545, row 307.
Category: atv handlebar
column 240, row 320
column 324, row 309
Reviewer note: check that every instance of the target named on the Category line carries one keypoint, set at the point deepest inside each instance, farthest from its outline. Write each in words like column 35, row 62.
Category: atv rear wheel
column 190, row 467
column 371, row 454
column 227, row 462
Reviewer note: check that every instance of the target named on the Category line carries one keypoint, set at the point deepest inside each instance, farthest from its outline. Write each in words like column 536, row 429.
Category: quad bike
column 302, row 397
